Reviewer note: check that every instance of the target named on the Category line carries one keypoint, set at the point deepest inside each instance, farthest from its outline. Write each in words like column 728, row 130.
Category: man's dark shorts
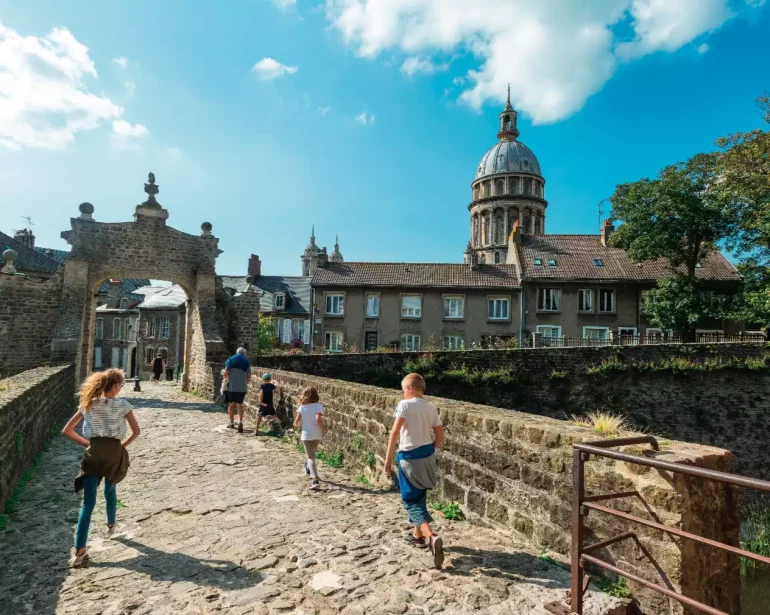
column 234, row 398
column 266, row 411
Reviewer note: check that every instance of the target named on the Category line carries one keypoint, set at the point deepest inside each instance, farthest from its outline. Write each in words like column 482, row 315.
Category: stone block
column 477, row 502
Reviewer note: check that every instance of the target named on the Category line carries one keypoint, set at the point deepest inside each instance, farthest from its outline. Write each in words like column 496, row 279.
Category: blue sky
column 369, row 118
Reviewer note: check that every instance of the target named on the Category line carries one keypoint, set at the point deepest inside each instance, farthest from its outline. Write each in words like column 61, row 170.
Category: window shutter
column 306, row 335
column 287, row 331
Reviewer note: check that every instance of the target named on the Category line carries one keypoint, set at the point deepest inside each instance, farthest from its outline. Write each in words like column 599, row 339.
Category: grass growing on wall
column 603, row 423
column 451, row 511
column 755, row 532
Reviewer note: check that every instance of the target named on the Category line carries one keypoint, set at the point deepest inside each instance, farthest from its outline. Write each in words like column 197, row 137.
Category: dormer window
column 280, row 301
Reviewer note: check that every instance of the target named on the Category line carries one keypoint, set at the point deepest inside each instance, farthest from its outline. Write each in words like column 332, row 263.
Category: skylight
column 551, row 262
column 598, row 262
column 538, row 262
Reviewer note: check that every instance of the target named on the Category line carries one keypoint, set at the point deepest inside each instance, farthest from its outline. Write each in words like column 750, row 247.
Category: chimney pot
column 606, row 232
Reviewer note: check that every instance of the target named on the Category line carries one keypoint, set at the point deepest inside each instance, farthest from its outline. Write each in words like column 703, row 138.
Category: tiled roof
column 130, row 285
column 28, row 260
column 416, row 275
column 574, row 260
column 57, row 255
column 267, row 285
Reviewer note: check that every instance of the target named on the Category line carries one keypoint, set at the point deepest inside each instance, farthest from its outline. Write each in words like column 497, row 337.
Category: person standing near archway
column 158, row 367
column 238, row 374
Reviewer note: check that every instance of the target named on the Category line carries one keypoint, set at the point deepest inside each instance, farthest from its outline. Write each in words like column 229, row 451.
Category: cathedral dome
column 508, row 157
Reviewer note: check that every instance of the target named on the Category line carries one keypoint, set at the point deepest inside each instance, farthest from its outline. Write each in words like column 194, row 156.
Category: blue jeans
column 415, row 500
column 90, row 485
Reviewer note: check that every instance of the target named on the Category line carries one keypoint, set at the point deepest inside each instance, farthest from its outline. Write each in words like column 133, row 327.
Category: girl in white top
column 104, row 416
column 309, row 417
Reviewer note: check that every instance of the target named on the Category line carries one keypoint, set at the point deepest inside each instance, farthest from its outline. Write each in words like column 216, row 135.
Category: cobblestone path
column 211, row 521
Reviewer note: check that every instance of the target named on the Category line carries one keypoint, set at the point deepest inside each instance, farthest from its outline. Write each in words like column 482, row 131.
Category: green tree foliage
column 753, row 305
column 264, row 338
column 679, row 302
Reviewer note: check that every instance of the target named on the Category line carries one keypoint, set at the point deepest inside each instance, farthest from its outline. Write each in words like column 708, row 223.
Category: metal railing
column 582, row 555
column 614, row 339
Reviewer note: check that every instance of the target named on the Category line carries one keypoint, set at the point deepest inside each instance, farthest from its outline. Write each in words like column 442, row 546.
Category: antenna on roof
column 29, row 220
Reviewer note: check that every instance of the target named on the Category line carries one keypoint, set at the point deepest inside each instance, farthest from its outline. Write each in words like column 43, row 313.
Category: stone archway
column 144, row 248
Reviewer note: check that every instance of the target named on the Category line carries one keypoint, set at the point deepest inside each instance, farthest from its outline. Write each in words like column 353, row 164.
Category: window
column 278, row 324
column 585, row 300
column 335, row 305
column 538, row 262
column 551, row 262
column 280, row 301
column 549, row 332
column 499, row 230
column 454, row 307
column 149, row 355
column 655, row 336
column 372, row 306
column 153, row 327
column 497, row 258
column 627, row 335
column 164, row 329
column 410, row 342
column 299, row 330
column 123, row 303
column 498, row 308
column 606, row 301
column 548, row 299
column 333, row 341
column 453, row 342
column 163, row 352
column 596, row 333
column 99, row 334
column 411, row 306
column 127, row 329
column 116, row 329
column 598, row 262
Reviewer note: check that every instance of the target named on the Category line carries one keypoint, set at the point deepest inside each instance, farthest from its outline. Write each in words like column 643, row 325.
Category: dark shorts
column 157, row 375
column 234, row 398
column 266, row 411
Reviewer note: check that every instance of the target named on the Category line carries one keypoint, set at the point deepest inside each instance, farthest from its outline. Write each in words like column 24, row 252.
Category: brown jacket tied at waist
column 106, row 458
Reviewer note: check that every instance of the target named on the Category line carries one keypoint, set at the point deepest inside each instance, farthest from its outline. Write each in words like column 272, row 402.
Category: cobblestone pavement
column 213, row 521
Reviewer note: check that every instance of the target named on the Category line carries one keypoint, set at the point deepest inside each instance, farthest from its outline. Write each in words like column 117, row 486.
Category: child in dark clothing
column 266, row 407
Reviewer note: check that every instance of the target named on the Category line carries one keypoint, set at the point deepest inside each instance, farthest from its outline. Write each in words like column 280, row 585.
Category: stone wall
column 512, row 471
column 28, row 313
column 725, row 407
column 33, row 405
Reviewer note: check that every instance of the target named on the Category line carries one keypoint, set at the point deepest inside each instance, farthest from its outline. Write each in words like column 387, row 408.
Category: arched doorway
column 145, row 248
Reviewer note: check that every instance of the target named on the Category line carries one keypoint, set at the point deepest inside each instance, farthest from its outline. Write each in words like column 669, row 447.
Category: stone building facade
column 161, row 328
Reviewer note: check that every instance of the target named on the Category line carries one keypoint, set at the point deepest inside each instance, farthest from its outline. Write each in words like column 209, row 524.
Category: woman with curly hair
column 104, row 419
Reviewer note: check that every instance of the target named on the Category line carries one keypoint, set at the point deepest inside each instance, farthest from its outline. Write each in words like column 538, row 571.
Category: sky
column 365, row 118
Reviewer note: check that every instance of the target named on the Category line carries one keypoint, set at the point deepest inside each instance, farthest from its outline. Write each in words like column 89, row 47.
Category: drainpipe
column 521, row 316
column 312, row 318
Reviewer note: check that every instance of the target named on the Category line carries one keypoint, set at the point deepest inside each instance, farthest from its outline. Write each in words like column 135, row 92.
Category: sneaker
column 416, row 542
column 437, row 549
column 231, row 426
column 315, row 485
column 240, row 427
column 306, row 469
column 79, row 560
column 110, row 530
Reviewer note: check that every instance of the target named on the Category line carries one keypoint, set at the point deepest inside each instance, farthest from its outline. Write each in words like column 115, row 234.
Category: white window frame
column 411, row 312
column 542, row 299
column 586, row 292
column 298, row 330
column 613, row 295
column 164, row 328
column 373, row 302
column 333, row 340
column 278, row 326
column 117, row 328
column 453, row 342
column 605, row 329
column 330, row 299
column 492, row 305
column 542, row 328
column 153, row 326
column 459, row 305
column 411, row 342
column 99, row 330
column 280, row 301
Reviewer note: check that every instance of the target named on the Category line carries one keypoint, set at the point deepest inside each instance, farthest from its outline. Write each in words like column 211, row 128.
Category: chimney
column 255, row 266
column 25, row 237
column 515, row 236
column 606, row 232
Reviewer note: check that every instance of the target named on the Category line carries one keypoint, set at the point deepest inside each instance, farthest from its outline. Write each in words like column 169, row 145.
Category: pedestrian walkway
column 212, row 521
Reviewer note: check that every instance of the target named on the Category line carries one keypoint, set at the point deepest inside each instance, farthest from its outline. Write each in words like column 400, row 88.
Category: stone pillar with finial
column 86, row 211
column 206, row 229
column 9, row 256
column 151, row 208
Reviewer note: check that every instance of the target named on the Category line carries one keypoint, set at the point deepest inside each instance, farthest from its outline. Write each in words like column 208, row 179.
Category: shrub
column 451, row 511
column 334, row 460
column 362, row 480
column 617, row 588
column 610, row 365
column 371, row 460
column 602, row 423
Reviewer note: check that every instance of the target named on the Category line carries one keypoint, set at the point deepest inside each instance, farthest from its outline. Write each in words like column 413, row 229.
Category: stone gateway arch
column 144, row 248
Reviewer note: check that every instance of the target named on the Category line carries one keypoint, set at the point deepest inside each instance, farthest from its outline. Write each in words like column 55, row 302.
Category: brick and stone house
column 285, row 299
column 516, row 280
column 115, row 330
column 162, row 327
column 33, row 261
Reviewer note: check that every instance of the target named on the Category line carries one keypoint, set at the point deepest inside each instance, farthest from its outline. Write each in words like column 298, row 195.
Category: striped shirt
column 107, row 419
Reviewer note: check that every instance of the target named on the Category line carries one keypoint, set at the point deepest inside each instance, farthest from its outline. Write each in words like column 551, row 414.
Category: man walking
column 238, row 374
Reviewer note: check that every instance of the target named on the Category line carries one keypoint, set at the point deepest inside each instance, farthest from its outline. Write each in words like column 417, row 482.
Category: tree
column 678, row 216
column 264, row 337
column 753, row 305
column 745, row 186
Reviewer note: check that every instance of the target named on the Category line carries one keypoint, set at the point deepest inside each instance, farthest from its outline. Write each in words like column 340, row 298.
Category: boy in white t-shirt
column 309, row 417
column 419, row 432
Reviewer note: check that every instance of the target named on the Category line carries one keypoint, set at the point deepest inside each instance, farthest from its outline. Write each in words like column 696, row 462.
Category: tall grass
column 603, row 423
column 755, row 532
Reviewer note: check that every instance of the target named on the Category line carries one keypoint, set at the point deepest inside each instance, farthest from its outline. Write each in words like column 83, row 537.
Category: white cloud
column 324, row 110
column 420, row 64
column 284, row 4
column 44, row 100
column 123, row 128
column 365, row 119
column 555, row 54
column 122, row 62
column 130, row 86
column 268, row 68
column 703, row 48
